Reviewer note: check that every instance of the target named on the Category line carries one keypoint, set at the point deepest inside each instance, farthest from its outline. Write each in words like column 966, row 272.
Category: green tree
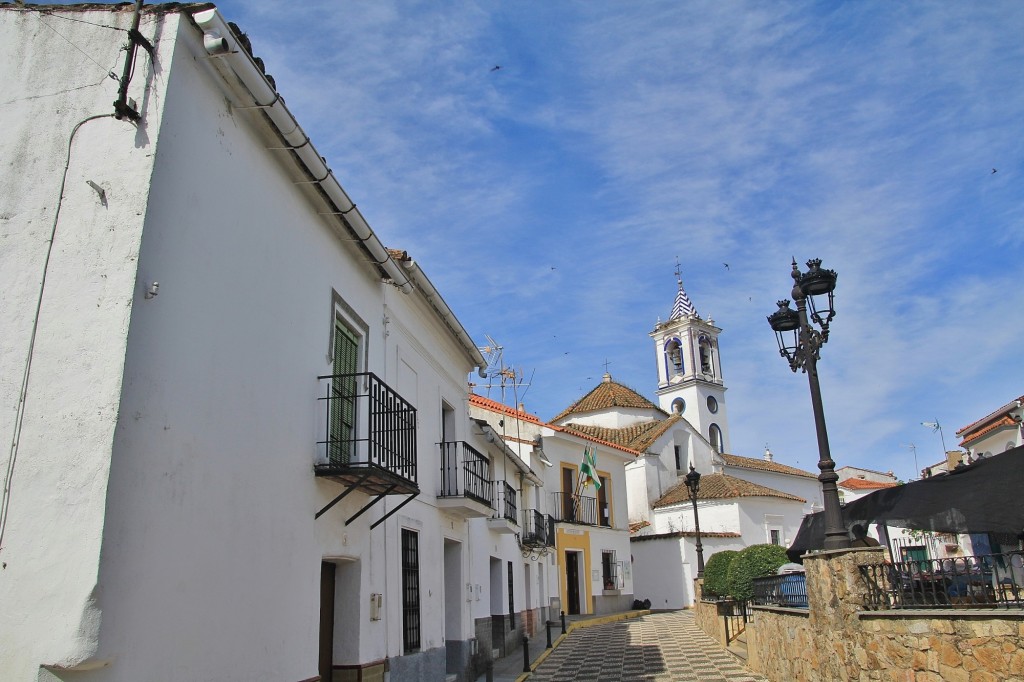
column 716, row 573
column 755, row 561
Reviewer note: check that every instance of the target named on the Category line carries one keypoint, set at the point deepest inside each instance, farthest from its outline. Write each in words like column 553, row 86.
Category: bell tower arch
column 690, row 379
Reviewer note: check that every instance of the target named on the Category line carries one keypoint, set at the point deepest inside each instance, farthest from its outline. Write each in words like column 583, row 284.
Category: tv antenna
column 499, row 375
column 913, row 448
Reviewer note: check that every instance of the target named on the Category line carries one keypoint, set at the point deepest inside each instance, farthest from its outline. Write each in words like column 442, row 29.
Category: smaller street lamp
column 693, row 486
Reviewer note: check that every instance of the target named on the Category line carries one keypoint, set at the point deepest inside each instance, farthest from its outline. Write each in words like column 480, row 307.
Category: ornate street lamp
column 693, row 486
column 800, row 340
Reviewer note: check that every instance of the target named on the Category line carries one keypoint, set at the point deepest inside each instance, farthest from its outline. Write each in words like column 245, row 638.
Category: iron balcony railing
column 538, row 529
column 788, row 590
column 507, row 502
column 465, row 473
column 992, row 580
column 571, row 508
column 368, row 426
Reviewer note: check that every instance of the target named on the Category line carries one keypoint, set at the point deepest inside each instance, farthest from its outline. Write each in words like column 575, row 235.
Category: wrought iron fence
column 471, row 479
column 507, row 502
column 537, row 531
column 368, row 424
column 992, row 580
column 787, row 590
column 571, row 508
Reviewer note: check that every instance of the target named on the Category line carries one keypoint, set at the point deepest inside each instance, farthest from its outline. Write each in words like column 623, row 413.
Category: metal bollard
column 563, row 622
column 547, row 627
column 526, row 654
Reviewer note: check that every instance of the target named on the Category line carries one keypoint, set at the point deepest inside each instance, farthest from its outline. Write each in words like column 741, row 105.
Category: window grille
column 410, row 591
column 511, row 601
column 609, row 574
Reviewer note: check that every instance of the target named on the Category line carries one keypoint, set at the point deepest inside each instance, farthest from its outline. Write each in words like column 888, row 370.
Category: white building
column 742, row 501
column 997, row 432
column 574, row 539
column 226, row 396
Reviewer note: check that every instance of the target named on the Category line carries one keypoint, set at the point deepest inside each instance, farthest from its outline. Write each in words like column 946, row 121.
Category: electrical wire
column 68, row 41
column 19, row 419
column 80, row 21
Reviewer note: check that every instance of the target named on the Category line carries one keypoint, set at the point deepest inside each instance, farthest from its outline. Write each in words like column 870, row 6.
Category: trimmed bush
column 716, row 573
column 755, row 561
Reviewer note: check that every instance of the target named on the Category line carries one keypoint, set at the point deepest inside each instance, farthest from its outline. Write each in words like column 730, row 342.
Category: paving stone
column 653, row 648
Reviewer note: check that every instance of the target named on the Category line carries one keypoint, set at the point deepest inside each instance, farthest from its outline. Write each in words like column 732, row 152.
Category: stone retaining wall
column 836, row 639
column 708, row 615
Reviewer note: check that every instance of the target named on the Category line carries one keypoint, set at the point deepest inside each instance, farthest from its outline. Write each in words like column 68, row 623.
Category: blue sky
column 548, row 200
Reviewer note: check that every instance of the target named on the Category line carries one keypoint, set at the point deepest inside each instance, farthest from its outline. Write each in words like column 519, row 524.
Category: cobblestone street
column 659, row 646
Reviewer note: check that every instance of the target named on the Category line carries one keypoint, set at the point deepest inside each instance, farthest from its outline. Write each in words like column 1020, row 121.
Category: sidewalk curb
column 576, row 625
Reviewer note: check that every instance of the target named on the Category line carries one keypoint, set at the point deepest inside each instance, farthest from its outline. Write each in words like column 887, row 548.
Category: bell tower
column 690, row 369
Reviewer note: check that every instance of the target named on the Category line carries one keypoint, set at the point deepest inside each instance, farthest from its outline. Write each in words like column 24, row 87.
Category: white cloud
column 616, row 137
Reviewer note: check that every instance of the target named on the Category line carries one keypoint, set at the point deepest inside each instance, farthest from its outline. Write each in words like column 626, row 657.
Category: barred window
column 511, row 601
column 410, row 591
column 609, row 574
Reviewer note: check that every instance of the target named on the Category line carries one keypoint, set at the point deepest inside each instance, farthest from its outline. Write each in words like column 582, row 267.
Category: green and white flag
column 588, row 469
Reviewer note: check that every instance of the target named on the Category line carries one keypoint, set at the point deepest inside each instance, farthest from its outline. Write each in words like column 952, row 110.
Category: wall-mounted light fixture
column 153, row 290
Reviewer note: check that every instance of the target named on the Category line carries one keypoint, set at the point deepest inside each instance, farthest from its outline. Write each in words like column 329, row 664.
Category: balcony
column 538, row 530
column 578, row 509
column 466, row 486
column 507, row 511
column 369, row 439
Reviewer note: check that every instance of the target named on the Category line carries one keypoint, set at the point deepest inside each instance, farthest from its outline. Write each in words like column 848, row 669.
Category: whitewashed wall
column 804, row 487
column 210, row 553
column 758, row 515
column 661, row 573
column 716, row 516
column 52, row 594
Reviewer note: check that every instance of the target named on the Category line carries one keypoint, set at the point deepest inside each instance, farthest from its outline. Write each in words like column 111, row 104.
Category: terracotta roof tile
column 637, row 437
column 683, row 534
column 593, row 439
column 638, row 525
column 607, row 394
column 862, row 484
column 495, row 406
column 764, row 465
column 721, row 487
column 1007, row 420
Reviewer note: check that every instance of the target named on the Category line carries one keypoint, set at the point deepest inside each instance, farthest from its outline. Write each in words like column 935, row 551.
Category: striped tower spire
column 682, row 307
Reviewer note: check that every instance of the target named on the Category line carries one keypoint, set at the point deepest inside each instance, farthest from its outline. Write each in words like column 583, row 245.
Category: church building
column 741, row 501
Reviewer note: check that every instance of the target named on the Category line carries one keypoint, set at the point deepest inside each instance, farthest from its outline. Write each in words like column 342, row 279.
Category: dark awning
column 983, row 497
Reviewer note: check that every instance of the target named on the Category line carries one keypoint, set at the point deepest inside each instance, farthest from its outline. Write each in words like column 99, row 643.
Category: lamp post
column 802, row 350
column 693, row 486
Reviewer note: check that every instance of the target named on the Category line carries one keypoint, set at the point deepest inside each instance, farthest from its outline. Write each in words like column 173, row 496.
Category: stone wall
column 708, row 615
column 836, row 639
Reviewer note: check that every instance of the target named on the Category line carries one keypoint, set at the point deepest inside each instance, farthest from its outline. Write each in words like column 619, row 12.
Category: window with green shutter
column 343, row 394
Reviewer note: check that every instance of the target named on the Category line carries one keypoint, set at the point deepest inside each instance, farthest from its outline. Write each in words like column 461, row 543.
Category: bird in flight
column 994, row 170
column 496, row 67
column 726, row 265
